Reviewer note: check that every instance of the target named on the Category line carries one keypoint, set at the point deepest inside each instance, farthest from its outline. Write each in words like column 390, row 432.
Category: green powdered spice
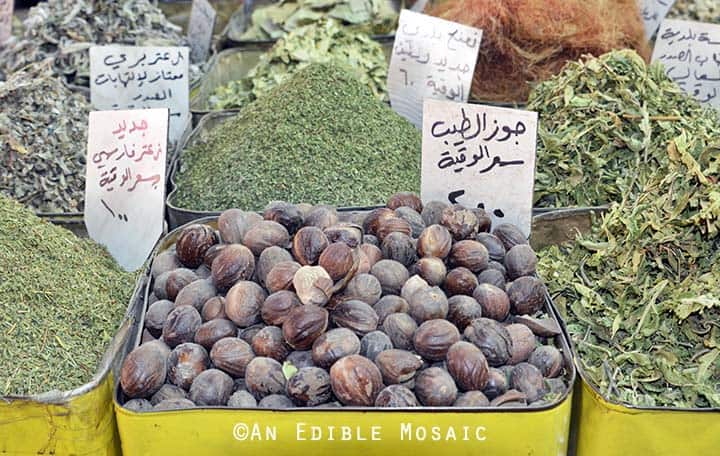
column 61, row 301
column 320, row 138
column 323, row 42
column 605, row 125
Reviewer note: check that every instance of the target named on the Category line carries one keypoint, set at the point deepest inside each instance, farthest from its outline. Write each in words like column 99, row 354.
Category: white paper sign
column 432, row 58
column 6, row 15
column 653, row 12
column 690, row 52
column 125, row 182
column 480, row 156
column 136, row 77
column 200, row 30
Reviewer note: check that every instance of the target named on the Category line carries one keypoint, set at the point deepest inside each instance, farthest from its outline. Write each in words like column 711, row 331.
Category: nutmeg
column 414, row 219
column 234, row 263
column 233, row 224
column 242, row 399
column 520, row 261
column 473, row 399
column 497, row 383
column 390, row 304
column 309, row 387
column 276, row 307
column 408, row 199
column 372, row 253
column 264, row 376
column 313, row 285
column 548, row 360
column 374, row 218
column 337, row 259
column 268, row 259
column 526, row 295
column 435, row 387
column 186, row 362
column 192, row 243
column 164, row 262
column 281, row 276
column 303, row 325
column 174, row 404
column 211, row 387
column 355, row 380
column 432, row 212
column 462, row 310
column 528, row 379
column 392, row 225
column 243, row 302
column 460, row 281
column 397, row 366
column 322, row 217
column 364, row 287
column 469, row 254
column 266, row 234
column 523, row 342
column 428, row 304
column 494, row 246
column 355, row 315
column 210, row 256
column 460, row 222
column 232, row 355
column 180, row 326
column 308, row 244
column 269, row 342
column 509, row 235
column 213, row 308
column 156, row 315
column 396, row 396
column 492, row 339
column 399, row 247
column 400, row 328
column 275, row 402
column 412, row 286
column 196, row 294
column 333, row 345
column 391, row 274
column 300, row 359
column 433, row 339
column 373, row 343
column 214, row 330
column 494, row 302
column 434, row 241
column 492, row 277
column 169, row 284
column 347, row 233
column 288, row 215
column 432, row 270
column 468, row 366
column 143, row 371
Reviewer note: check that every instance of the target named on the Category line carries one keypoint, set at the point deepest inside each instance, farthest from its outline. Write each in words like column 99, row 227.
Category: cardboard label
column 431, row 58
column 480, row 156
column 136, row 77
column 125, row 182
column 6, row 15
column 690, row 52
column 653, row 12
column 200, row 30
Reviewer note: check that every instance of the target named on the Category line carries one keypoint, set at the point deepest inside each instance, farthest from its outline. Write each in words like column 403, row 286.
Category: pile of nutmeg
column 402, row 306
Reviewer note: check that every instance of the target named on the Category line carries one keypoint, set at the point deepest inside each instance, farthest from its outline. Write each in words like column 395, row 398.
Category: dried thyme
column 61, row 301
column 321, row 137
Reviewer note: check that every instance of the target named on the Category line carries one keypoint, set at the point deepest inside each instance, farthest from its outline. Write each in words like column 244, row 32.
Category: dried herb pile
column 43, row 133
column 696, row 10
column 320, row 137
column 605, row 126
column 61, row 301
column 322, row 42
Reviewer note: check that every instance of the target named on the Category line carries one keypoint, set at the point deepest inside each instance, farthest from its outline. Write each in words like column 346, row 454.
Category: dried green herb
column 320, row 137
column 43, row 132
column 322, row 42
column 61, row 301
column 696, row 10
column 604, row 126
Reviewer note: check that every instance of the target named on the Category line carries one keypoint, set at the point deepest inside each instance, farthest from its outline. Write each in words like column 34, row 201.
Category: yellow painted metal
column 609, row 429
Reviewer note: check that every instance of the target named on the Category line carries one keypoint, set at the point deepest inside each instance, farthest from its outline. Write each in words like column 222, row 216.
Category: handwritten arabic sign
column 432, row 58
column 200, row 30
column 135, row 77
column 125, row 182
column 690, row 52
column 653, row 12
column 480, row 156
column 6, row 14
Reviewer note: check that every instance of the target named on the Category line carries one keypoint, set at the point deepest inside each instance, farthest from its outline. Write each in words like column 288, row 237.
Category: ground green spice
column 61, row 301
column 320, row 137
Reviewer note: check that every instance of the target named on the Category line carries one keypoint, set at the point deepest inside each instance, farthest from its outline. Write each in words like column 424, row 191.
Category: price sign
column 480, row 156
column 653, row 12
column 125, row 182
column 136, row 77
column 6, row 15
column 690, row 52
column 431, row 58
column 200, row 30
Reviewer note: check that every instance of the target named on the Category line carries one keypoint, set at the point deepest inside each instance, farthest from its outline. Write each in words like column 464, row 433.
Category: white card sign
column 200, row 29
column 690, row 52
column 480, row 156
column 6, row 15
column 125, row 182
column 137, row 77
column 653, row 12
column 431, row 58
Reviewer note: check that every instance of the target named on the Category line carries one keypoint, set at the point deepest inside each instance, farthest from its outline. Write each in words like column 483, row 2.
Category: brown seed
column 528, row 379
column 392, row 225
column 180, row 326
column 213, row 308
column 428, row 304
column 214, row 330
column 192, row 243
column 232, row 355
column 469, row 254
column 408, row 199
column 433, row 339
column 520, row 261
column 509, row 235
column 313, row 285
column 242, row 399
column 543, row 327
column 308, row 244
column 374, row 218
column 527, row 295
column 281, row 276
column 462, row 310
column 412, row 286
column 165, row 262
column 523, row 342
column 396, row 396
column 322, row 217
column 497, row 383
column 301, row 359
column 211, row 254
column 399, row 247
column 168, row 285
column 233, row 224
column 333, row 345
column 196, row 294
column 494, row 301
column 277, row 306
column 347, row 233
column 548, row 360
column 266, row 234
column 268, row 259
column 400, row 328
column 309, row 387
column 243, row 302
column 288, row 215
column 233, row 264
column 460, row 281
column 468, row 366
column 435, row 387
column 434, row 241
column 432, row 212
column 397, row 366
column 264, row 376
column 337, row 259
column 303, row 325
column 391, row 274
column 269, row 342
column 494, row 246
column 355, row 315
column 492, row 277
column 472, row 399
column 355, row 380
column 168, row 391
column 211, row 387
column 432, row 269
column 460, row 222
column 374, row 343
column 388, row 305
column 186, row 362
column 174, row 404
column 492, row 338
column 364, row 287
column 143, row 371
column 156, row 315
column 413, row 218
column 248, row 333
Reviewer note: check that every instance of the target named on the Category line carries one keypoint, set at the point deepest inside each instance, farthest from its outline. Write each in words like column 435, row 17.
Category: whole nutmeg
column 528, row 379
column 233, row 264
column 390, row 304
column 495, row 302
column 275, row 402
column 313, row 285
column 434, row 241
column 523, row 342
column 497, row 266
column 414, row 219
column 268, row 259
column 399, row 247
column 333, row 345
column 548, row 360
column 277, row 307
column 433, row 339
column 373, row 343
column 281, row 276
column 492, row 277
column 412, row 286
column 308, row 244
column 180, row 326
column 337, row 259
column 370, row 239
column 396, row 396
column 494, row 246
column 512, row 398
column 347, row 233
column 196, row 294
column 174, row 404
column 520, row 261
column 355, row 380
column 288, row 215
column 303, row 325
column 509, row 235
column 365, row 288
column 428, row 304
column 143, row 371
column 543, row 327
column 372, row 221
column 400, row 328
column 462, row 310
column 300, row 359
column 214, row 330
column 269, row 342
column 242, row 399
column 233, row 224
column 203, row 272
column 432, row 212
column 408, row 199
column 243, row 302
column 496, row 385
column 469, row 254
column 192, row 243
column 248, row 333
column 372, row 254
column 460, row 281
column 468, row 366
column 460, row 222
column 156, row 315
column 264, row 376
column 211, row 254
column 492, row 339
column 322, row 217
column 432, row 270
column 392, row 225
column 391, row 274
column 232, row 355
column 165, row 262
column 266, row 234
column 356, row 316
column 213, row 308
column 527, row 295
column 169, row 284
column 472, row 399
column 186, row 362
column 309, row 387
column 138, row 405
column 435, row 387
column 397, row 366
column 211, row 387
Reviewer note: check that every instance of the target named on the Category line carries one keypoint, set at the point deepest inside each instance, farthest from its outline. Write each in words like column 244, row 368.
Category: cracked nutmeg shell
column 356, row 380
column 193, row 242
